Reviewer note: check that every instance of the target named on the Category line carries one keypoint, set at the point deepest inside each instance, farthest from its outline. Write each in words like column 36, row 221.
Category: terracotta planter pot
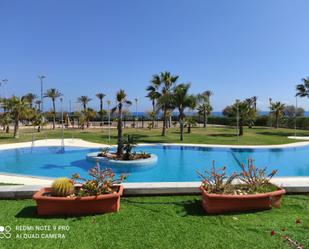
column 220, row 203
column 49, row 205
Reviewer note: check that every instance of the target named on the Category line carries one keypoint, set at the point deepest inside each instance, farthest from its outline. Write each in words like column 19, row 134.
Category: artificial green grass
column 162, row 222
column 211, row 135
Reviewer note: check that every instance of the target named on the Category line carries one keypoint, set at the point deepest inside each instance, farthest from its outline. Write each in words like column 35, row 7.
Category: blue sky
column 236, row 48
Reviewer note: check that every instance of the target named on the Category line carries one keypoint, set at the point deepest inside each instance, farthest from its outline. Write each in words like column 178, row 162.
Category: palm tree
column 18, row 108
column 121, row 98
column 53, row 94
column 164, row 82
column 254, row 100
column 190, row 122
column 30, row 97
column 153, row 95
column 205, row 108
column 38, row 105
column 87, row 116
column 182, row 100
column 38, row 121
column 245, row 113
column 277, row 109
column 303, row 89
column 5, row 120
column 101, row 96
column 84, row 100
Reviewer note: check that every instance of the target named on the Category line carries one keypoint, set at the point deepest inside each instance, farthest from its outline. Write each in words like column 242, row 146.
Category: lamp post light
column 136, row 114
column 295, row 116
column 41, row 77
column 109, row 120
column 270, row 118
column 62, row 126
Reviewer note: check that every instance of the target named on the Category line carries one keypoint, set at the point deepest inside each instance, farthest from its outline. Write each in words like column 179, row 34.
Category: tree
column 18, row 108
column 204, row 107
column 303, row 89
column 252, row 103
column 246, row 114
column 53, row 94
column 277, row 109
column 87, row 117
column 153, row 95
column 38, row 121
column 121, row 98
column 5, row 120
column 38, row 105
column 254, row 100
column 84, row 100
column 190, row 122
column 30, row 97
column 291, row 111
column 101, row 96
column 164, row 83
column 182, row 100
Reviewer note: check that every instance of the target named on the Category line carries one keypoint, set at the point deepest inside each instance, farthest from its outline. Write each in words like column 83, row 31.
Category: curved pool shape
column 175, row 163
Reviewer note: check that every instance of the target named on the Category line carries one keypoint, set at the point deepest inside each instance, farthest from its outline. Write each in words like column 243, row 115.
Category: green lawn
column 163, row 222
column 211, row 135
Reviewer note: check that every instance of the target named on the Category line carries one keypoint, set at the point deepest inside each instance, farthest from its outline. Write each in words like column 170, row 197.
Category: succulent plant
column 62, row 187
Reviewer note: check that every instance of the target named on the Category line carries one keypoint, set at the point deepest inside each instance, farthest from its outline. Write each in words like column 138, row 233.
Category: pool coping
column 292, row 185
column 31, row 184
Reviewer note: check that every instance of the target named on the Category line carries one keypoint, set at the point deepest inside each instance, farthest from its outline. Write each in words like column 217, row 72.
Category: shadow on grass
column 30, row 212
column 222, row 135
column 189, row 208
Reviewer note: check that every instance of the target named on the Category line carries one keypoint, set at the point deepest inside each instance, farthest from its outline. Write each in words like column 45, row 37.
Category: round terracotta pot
column 49, row 205
column 222, row 203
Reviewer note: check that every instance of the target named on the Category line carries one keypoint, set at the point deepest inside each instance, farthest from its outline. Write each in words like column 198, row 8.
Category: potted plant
column 81, row 196
column 249, row 190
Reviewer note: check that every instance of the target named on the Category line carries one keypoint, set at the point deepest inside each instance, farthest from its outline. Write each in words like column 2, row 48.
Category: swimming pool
column 175, row 163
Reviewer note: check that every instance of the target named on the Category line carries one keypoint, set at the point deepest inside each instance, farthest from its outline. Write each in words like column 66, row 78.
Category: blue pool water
column 175, row 163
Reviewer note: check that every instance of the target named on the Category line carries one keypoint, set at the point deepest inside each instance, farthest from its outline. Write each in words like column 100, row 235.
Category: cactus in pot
column 62, row 187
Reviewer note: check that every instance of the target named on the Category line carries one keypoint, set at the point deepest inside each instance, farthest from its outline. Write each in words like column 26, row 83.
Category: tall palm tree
column 254, row 99
column 182, row 100
column 30, row 97
column 277, row 109
column 303, row 89
column 153, row 95
column 18, row 108
column 121, row 98
column 101, row 96
column 53, row 94
column 84, row 100
column 204, row 107
column 164, row 82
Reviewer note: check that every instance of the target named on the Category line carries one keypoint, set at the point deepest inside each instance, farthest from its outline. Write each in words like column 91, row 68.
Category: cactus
column 62, row 187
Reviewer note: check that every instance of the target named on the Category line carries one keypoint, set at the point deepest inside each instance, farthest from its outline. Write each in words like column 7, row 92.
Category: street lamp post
column 109, row 120
column 295, row 116
column 270, row 118
column 41, row 77
column 62, row 126
column 136, row 114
